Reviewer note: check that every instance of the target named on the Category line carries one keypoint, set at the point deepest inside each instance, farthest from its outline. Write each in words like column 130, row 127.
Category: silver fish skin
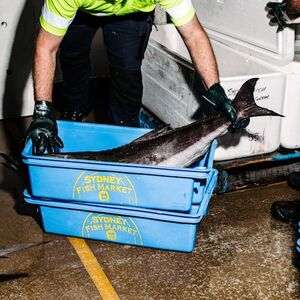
column 182, row 146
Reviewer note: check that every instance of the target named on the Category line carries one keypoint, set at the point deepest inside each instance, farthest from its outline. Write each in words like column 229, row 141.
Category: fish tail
column 245, row 104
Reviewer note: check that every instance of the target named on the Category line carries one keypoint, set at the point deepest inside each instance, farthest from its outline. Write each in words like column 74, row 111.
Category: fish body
column 182, row 146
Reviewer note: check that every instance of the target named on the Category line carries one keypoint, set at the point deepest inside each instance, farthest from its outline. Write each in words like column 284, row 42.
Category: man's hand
column 217, row 97
column 43, row 129
column 285, row 13
column 278, row 14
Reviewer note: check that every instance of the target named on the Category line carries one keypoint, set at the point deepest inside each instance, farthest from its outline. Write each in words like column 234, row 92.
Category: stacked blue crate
column 141, row 205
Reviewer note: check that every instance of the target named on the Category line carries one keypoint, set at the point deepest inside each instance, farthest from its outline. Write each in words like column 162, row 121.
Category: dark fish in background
column 179, row 147
column 18, row 247
column 9, row 161
column 8, row 277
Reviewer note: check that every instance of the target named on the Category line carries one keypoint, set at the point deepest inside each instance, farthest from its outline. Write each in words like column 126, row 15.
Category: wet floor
column 240, row 253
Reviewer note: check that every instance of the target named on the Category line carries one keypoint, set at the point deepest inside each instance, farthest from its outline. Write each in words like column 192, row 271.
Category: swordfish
column 182, row 146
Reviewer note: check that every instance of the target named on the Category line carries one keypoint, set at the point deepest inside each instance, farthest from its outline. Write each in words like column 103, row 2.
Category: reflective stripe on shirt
column 182, row 13
column 180, row 10
column 100, row 14
column 54, row 19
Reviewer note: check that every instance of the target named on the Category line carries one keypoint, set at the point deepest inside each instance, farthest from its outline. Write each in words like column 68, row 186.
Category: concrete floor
column 240, row 253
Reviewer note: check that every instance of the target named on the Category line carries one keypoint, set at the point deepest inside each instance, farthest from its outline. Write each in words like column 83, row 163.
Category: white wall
column 16, row 46
column 18, row 26
column 244, row 26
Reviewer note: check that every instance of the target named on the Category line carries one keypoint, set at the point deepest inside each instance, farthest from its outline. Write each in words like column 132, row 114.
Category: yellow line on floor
column 94, row 269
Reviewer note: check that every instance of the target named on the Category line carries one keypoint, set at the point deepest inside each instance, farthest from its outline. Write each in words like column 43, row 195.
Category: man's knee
column 127, row 88
column 126, row 96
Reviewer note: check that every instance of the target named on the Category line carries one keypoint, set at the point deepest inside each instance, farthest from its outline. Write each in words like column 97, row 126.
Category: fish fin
column 146, row 137
column 153, row 134
column 245, row 105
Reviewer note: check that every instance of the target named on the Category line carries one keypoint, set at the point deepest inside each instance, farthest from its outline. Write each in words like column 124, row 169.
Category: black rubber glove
column 217, row 97
column 278, row 13
column 43, row 129
column 239, row 124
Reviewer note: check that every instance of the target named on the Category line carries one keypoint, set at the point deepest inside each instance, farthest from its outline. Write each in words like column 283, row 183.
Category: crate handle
column 208, row 191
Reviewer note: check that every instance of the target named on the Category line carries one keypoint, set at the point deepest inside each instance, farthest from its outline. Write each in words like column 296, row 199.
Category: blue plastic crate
column 126, row 225
column 114, row 183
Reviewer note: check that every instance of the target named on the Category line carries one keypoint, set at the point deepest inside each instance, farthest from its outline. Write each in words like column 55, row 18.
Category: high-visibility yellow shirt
column 57, row 15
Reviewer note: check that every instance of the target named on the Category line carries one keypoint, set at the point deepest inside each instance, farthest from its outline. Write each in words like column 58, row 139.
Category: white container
column 290, row 137
column 17, row 30
column 246, row 46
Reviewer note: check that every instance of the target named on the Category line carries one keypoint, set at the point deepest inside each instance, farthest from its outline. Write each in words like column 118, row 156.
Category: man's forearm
column 44, row 64
column 204, row 59
column 201, row 52
column 43, row 73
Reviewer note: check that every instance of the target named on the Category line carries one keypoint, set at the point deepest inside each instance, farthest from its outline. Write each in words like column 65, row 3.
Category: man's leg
column 294, row 180
column 126, row 40
column 288, row 211
column 74, row 57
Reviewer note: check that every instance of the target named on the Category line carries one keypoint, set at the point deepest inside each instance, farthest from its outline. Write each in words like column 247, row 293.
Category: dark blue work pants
column 125, row 40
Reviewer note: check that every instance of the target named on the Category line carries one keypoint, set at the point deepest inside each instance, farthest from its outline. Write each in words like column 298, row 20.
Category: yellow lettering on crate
column 103, row 196
column 111, row 228
column 111, row 235
column 114, row 188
